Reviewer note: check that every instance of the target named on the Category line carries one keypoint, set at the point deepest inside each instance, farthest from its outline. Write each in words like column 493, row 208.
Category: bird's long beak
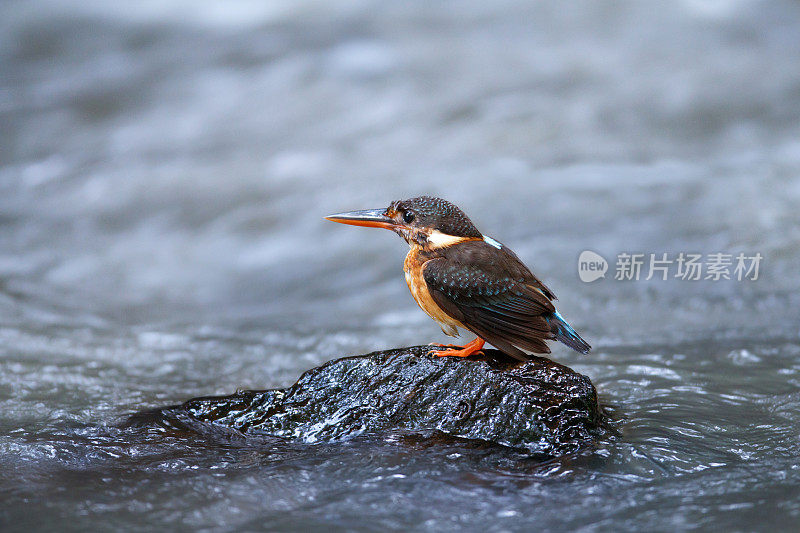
column 373, row 218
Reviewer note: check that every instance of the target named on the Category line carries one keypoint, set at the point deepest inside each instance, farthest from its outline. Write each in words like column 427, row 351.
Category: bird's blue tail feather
column 564, row 333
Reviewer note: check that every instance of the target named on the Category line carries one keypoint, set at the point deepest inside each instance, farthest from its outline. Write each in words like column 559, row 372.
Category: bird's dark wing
column 494, row 295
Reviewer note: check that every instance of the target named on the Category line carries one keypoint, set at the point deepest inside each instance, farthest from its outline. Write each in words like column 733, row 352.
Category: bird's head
column 422, row 221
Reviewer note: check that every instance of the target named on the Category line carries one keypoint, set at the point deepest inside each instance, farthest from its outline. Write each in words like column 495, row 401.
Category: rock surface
column 538, row 405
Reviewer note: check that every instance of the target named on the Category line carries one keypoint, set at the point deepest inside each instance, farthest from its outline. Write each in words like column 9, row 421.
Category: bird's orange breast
column 413, row 267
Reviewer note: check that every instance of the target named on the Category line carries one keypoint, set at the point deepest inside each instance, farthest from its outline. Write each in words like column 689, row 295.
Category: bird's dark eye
column 408, row 217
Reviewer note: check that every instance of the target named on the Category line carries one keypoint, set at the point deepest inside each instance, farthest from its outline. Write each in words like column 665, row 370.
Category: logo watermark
column 663, row 266
column 591, row 266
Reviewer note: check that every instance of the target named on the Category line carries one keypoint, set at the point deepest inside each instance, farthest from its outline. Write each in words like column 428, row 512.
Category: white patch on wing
column 437, row 239
column 492, row 242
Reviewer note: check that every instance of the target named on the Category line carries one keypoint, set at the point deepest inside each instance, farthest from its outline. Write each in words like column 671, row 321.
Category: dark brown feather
column 493, row 294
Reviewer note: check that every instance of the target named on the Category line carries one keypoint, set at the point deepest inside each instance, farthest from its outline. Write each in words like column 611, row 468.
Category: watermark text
column 685, row 266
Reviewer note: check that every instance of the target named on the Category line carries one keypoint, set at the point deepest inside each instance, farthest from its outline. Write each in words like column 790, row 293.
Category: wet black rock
column 538, row 405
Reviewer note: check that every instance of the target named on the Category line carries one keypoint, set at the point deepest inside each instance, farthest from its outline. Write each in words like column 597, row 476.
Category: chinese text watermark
column 663, row 266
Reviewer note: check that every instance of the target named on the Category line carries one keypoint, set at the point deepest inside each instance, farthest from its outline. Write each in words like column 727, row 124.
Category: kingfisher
column 464, row 279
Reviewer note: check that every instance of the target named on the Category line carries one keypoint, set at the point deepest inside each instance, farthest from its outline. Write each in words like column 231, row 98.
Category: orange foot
column 457, row 351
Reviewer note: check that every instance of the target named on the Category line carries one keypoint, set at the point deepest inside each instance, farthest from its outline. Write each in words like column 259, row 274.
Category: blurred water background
column 164, row 170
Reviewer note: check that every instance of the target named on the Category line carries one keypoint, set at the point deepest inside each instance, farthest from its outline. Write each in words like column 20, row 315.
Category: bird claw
column 472, row 348
column 444, row 350
column 454, row 353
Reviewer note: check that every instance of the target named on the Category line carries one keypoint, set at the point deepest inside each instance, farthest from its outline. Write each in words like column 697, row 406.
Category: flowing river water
column 164, row 171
